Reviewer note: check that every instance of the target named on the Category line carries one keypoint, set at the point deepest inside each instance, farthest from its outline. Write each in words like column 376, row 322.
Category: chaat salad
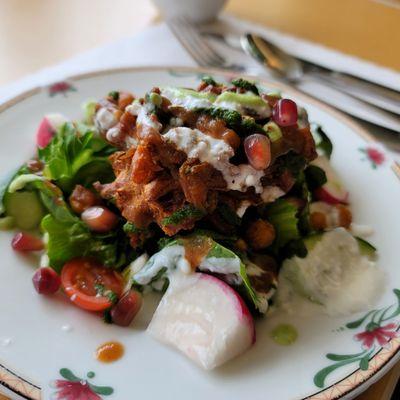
column 215, row 197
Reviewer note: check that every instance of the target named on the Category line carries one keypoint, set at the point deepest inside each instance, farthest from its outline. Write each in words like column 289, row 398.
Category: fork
column 198, row 48
column 187, row 33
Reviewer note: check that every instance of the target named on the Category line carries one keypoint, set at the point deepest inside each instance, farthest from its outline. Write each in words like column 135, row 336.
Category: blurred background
column 37, row 33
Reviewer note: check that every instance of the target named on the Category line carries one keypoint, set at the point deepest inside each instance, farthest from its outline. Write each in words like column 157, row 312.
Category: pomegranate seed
column 46, row 281
column 99, row 219
column 26, row 242
column 284, row 112
column 258, row 151
column 126, row 309
column 44, row 133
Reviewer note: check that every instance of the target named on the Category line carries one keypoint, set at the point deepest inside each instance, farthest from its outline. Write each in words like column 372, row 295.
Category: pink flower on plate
column 374, row 155
column 382, row 334
column 68, row 390
column 60, row 87
column 75, row 388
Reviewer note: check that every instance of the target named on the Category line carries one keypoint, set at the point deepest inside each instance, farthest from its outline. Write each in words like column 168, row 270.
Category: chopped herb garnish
column 249, row 126
column 102, row 291
column 184, row 213
column 114, row 95
column 129, row 227
column 234, row 120
column 231, row 117
column 246, row 85
column 209, row 80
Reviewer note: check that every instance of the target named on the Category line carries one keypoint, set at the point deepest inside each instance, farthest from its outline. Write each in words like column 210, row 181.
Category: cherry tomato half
column 81, row 279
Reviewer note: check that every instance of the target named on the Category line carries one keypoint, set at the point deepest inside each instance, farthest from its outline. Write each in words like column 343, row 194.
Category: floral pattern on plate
column 376, row 332
column 61, row 88
column 74, row 388
column 374, row 155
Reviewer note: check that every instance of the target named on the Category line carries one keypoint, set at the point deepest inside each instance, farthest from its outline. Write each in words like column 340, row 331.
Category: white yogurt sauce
column 169, row 257
column 105, row 119
column 249, row 101
column 220, row 265
column 143, row 115
column 189, row 99
column 240, row 102
column 173, row 258
column 335, row 276
column 216, row 152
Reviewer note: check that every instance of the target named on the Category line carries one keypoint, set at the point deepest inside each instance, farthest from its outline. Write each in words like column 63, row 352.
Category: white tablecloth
column 157, row 46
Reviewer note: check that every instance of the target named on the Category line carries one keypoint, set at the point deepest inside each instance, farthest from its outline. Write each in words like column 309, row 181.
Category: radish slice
column 333, row 192
column 47, row 128
column 204, row 318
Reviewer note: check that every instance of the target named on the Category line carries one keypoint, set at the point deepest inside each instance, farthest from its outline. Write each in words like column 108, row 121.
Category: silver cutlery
column 205, row 55
column 293, row 69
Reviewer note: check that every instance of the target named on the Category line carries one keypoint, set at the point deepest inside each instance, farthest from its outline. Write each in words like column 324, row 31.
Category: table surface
column 62, row 30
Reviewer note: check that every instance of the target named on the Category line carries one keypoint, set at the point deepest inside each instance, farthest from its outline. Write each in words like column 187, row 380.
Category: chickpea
column 99, row 219
column 260, row 234
column 318, row 221
column 231, row 137
column 241, row 245
column 82, row 198
column 344, row 216
column 124, row 100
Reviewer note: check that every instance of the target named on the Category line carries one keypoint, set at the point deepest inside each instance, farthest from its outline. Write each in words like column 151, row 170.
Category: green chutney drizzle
column 284, row 334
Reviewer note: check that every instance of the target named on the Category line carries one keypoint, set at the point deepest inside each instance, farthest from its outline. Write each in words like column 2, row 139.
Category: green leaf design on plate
column 103, row 390
column 364, row 362
column 342, row 357
column 319, row 378
column 357, row 323
column 68, row 375
column 396, row 312
column 363, row 358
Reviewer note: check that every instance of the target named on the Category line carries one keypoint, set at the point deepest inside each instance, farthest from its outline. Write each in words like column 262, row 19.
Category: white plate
column 39, row 348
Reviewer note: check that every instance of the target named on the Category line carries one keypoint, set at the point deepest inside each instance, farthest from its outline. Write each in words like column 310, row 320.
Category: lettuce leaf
column 283, row 216
column 70, row 239
column 71, row 149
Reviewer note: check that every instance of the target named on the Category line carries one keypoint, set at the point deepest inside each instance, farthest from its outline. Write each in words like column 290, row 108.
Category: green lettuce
column 76, row 155
column 283, row 216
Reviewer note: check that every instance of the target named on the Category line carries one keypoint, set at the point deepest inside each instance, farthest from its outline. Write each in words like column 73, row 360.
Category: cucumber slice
column 366, row 248
column 26, row 209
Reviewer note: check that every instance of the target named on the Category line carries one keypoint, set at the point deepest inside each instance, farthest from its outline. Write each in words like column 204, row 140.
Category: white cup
column 196, row 10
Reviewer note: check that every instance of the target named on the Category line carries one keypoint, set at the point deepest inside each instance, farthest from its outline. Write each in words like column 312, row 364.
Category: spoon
column 272, row 57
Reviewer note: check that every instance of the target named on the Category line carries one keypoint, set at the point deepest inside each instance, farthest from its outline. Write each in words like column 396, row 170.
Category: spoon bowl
column 271, row 56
